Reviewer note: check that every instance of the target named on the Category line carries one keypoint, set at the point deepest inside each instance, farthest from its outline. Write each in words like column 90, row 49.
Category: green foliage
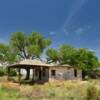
column 29, row 46
column 6, row 53
column 37, row 44
column 13, row 72
column 18, row 42
column 33, row 45
column 64, row 55
column 82, row 58
column 18, row 39
column 52, row 55
column 2, row 71
column 87, row 59
column 96, row 73
column 67, row 54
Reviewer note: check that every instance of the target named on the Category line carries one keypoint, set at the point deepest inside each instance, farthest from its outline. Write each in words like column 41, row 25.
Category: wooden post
column 33, row 74
column 41, row 73
column 19, row 76
column 8, row 72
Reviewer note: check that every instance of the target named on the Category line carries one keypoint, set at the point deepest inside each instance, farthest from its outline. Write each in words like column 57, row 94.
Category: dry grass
column 66, row 90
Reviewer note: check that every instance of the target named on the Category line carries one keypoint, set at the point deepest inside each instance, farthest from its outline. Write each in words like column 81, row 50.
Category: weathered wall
column 46, row 76
column 65, row 74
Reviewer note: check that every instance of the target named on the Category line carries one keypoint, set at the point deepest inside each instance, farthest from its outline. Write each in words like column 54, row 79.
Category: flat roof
column 36, row 63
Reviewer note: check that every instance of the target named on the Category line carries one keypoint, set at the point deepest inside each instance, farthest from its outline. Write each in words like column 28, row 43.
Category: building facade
column 43, row 72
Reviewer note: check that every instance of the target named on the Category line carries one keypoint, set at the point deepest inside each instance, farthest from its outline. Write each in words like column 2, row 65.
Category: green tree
column 82, row 58
column 63, row 55
column 87, row 61
column 29, row 47
column 6, row 54
column 52, row 55
column 67, row 54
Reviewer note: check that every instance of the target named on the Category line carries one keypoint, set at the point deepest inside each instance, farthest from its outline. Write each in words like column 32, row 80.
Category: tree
column 82, row 58
column 29, row 47
column 52, row 55
column 87, row 61
column 67, row 53
column 63, row 55
column 6, row 54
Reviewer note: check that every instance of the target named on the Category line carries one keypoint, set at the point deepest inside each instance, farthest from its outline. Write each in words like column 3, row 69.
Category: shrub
column 52, row 94
column 2, row 71
column 13, row 72
column 92, row 93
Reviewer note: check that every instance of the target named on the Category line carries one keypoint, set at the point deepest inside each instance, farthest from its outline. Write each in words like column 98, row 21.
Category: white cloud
column 92, row 50
column 79, row 31
column 65, row 31
column 82, row 30
column 75, row 8
column 96, row 50
column 52, row 33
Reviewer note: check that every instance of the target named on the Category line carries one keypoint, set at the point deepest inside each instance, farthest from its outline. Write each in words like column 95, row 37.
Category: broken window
column 44, row 72
column 75, row 72
column 53, row 72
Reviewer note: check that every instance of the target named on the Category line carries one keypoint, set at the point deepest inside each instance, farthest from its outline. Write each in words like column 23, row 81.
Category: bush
column 92, row 93
column 13, row 72
column 2, row 71
column 7, row 93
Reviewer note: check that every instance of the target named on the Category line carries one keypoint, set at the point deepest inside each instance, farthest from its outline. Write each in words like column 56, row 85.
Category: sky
column 75, row 22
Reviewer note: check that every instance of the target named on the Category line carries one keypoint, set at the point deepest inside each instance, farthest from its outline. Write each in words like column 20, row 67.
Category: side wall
column 64, row 74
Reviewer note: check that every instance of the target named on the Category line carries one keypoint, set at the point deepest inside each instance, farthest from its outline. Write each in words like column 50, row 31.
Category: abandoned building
column 43, row 72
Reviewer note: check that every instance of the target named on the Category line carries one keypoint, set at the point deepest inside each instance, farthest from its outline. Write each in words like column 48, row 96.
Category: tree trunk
column 83, row 74
column 27, row 74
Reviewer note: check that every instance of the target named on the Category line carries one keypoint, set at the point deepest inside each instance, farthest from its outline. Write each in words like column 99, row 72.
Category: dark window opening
column 75, row 72
column 44, row 72
column 53, row 72
column 36, row 72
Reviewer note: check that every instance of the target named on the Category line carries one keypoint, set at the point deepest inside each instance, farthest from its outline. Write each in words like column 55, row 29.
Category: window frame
column 75, row 72
column 53, row 72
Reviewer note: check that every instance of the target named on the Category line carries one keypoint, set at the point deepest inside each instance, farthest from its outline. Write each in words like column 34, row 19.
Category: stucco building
column 43, row 72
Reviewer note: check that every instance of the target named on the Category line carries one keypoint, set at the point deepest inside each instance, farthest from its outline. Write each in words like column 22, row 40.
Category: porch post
column 19, row 76
column 33, row 74
column 41, row 72
column 8, row 72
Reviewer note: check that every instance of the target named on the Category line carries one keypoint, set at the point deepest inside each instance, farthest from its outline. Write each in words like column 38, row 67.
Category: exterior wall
column 64, row 74
column 42, row 74
column 45, row 77
column 36, row 73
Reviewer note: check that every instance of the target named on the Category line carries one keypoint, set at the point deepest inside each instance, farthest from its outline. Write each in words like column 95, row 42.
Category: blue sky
column 76, row 22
